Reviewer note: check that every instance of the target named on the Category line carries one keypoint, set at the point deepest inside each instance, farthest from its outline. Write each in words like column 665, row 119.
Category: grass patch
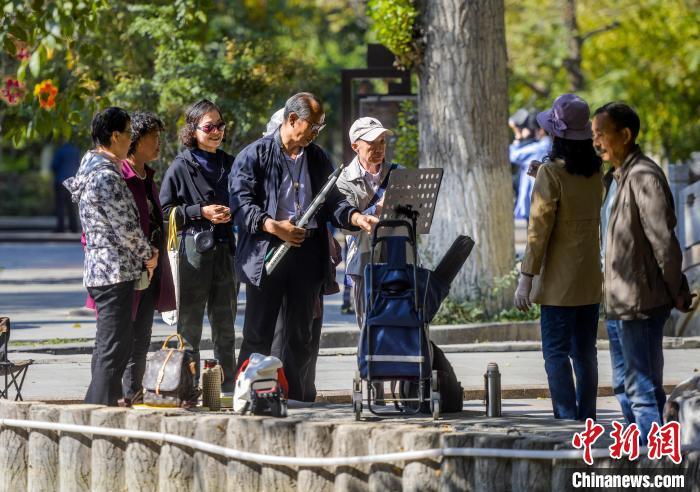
column 452, row 312
column 456, row 313
column 50, row 341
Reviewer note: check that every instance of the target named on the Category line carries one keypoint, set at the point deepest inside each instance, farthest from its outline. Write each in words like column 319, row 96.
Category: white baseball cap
column 367, row 129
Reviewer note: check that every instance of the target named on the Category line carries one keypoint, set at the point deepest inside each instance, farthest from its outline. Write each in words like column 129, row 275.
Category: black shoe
column 346, row 310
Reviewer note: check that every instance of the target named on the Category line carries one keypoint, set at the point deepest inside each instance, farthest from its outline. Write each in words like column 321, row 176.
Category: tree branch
column 542, row 91
column 600, row 30
column 539, row 90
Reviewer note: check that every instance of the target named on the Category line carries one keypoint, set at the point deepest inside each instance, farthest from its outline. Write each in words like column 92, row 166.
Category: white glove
column 522, row 293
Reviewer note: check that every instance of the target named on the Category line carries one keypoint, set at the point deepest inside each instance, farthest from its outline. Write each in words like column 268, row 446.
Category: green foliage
column 406, row 148
column 513, row 314
column 14, row 164
column 452, row 312
column 643, row 52
column 25, row 194
column 456, row 313
column 394, row 24
column 246, row 55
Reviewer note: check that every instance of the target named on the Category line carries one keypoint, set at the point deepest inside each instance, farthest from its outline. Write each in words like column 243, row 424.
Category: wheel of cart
column 278, row 405
column 435, row 395
column 267, row 394
column 357, row 396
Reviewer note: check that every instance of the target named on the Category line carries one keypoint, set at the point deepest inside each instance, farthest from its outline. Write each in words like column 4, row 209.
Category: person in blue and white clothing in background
column 116, row 250
column 531, row 144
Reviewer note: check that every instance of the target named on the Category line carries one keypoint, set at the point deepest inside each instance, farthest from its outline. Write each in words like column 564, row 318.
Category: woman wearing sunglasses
column 196, row 184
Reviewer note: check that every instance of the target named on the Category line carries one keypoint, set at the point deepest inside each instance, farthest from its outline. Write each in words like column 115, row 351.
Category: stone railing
column 45, row 460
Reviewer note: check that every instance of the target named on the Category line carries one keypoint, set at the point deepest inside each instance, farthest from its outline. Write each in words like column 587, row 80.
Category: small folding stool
column 13, row 373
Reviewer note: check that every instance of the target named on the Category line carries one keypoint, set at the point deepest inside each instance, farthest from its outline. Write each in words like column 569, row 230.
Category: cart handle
column 392, row 223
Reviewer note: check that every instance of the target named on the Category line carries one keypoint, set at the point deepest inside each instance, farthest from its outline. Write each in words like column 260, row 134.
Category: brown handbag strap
column 161, row 372
column 181, row 345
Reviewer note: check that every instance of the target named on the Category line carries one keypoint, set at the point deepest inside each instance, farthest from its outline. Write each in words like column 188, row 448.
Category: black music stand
column 411, row 195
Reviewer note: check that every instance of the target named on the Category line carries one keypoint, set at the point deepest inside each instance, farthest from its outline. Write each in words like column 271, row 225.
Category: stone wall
column 43, row 460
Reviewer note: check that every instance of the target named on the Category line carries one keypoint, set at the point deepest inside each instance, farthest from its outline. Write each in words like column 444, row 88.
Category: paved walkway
column 41, row 283
column 41, row 287
column 67, row 376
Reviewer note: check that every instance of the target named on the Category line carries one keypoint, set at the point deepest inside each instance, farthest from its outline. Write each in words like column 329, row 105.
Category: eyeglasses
column 210, row 127
column 316, row 127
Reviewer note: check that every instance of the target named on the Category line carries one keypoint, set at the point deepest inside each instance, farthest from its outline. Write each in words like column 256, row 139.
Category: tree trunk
column 463, row 113
column 572, row 63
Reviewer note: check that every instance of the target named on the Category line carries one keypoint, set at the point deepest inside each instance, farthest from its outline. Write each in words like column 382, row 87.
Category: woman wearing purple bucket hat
column 561, row 267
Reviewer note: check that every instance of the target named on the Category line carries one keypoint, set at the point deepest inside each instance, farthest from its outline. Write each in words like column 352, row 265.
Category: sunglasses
column 210, row 127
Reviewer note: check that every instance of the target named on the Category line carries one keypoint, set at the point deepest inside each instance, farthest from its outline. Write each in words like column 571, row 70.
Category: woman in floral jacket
column 116, row 250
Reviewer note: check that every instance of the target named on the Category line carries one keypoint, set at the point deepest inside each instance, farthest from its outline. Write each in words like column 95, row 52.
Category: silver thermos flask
column 492, row 390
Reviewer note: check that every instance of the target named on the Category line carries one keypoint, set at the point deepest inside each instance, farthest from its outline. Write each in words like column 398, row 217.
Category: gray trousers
column 208, row 280
column 358, row 287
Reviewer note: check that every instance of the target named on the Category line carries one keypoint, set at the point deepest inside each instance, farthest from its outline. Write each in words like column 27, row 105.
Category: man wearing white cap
column 363, row 182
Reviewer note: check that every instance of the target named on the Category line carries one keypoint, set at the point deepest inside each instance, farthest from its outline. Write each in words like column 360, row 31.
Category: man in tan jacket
column 363, row 182
column 643, row 279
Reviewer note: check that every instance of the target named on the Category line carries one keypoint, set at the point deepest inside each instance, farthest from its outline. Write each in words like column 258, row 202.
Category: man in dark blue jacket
column 272, row 182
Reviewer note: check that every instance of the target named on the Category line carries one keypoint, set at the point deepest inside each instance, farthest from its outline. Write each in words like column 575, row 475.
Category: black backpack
column 451, row 391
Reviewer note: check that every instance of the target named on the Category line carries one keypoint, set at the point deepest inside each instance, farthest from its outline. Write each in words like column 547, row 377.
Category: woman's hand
column 364, row 222
column 152, row 262
column 522, row 293
column 216, row 214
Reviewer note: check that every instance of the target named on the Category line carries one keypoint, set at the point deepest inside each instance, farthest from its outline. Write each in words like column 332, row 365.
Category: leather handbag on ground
column 169, row 377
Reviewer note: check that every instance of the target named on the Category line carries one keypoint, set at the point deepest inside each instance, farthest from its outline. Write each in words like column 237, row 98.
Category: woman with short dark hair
column 116, row 250
column 562, row 255
column 158, row 292
column 196, row 185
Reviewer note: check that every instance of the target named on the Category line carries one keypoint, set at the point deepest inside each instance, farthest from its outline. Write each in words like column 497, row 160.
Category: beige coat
column 358, row 193
column 563, row 238
column 642, row 255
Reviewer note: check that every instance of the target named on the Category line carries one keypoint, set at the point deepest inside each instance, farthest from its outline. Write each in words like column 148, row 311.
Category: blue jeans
column 618, row 370
column 644, row 369
column 570, row 333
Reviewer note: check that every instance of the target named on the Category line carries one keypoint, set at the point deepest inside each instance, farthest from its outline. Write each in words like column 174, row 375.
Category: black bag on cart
column 451, row 391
